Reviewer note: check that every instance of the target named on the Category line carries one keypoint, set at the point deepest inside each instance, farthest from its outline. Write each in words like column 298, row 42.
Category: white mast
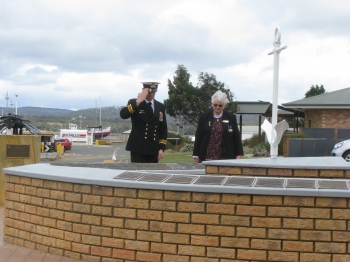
column 16, row 104
column 275, row 130
column 7, row 102
column 100, row 111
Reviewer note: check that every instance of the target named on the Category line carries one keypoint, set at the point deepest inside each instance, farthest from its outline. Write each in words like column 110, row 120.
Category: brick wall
column 276, row 172
column 330, row 118
column 107, row 224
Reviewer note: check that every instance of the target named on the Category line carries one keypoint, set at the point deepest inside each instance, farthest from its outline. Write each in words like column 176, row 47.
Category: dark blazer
column 231, row 137
column 148, row 135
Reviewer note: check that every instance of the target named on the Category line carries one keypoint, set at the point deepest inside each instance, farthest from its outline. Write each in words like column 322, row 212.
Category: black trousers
column 140, row 158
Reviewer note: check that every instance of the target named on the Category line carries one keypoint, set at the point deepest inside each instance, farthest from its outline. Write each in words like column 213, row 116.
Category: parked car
column 63, row 141
column 342, row 149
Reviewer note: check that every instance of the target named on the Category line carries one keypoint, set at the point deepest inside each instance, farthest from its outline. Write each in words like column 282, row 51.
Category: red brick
column 205, row 219
column 326, row 247
column 283, row 256
column 150, row 194
column 307, row 257
column 299, row 201
column 283, row 234
column 163, row 205
column 176, row 238
column 331, row 202
column 176, row 217
column 205, row 241
column 267, row 200
column 237, row 199
column 235, row 220
column 143, row 256
column 177, row 196
column 313, row 235
column 219, row 252
column 266, row 244
column 235, row 242
column 251, row 210
column 124, row 254
column 136, row 224
column 191, row 229
column 283, row 211
column 163, row 248
column 315, row 212
column 266, row 222
column 300, row 246
column 251, row 232
column 251, row 254
column 112, row 242
column 205, row 197
column 191, row 207
column 221, row 209
column 191, row 250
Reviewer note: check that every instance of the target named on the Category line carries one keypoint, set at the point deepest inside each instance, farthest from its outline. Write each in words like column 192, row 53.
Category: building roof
column 259, row 107
column 265, row 109
column 339, row 99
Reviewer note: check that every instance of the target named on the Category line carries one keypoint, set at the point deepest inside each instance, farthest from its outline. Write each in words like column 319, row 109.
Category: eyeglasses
column 216, row 105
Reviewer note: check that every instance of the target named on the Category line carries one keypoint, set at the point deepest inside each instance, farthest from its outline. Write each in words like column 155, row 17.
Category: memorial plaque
column 17, row 151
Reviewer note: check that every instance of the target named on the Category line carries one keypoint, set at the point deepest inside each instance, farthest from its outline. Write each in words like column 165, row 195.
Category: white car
column 342, row 149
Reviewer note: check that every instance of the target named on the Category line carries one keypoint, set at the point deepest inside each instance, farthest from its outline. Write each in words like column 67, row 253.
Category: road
column 83, row 153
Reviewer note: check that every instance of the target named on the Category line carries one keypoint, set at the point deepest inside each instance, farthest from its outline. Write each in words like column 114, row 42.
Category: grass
column 182, row 157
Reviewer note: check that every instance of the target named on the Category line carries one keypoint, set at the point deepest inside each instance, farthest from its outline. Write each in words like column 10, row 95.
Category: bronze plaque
column 17, row 151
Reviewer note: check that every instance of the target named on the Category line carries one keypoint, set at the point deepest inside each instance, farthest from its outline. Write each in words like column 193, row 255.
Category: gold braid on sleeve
column 131, row 111
column 162, row 141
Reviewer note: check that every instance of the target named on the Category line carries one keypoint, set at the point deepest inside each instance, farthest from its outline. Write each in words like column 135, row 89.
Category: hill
column 53, row 119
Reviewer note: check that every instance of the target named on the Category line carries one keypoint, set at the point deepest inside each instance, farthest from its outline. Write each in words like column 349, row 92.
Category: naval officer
column 149, row 130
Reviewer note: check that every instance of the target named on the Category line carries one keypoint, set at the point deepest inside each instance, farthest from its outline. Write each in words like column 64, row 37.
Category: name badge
column 225, row 121
column 161, row 116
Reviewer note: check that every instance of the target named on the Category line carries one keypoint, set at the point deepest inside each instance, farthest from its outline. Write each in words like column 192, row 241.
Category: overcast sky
column 76, row 54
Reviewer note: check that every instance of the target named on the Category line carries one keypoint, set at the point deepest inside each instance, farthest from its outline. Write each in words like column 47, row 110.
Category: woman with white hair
column 217, row 135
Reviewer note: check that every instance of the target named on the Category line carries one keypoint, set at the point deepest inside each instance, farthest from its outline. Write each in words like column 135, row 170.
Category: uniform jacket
column 148, row 135
column 231, row 137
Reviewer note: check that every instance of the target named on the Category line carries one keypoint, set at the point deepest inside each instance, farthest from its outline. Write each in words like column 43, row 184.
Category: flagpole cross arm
column 277, row 42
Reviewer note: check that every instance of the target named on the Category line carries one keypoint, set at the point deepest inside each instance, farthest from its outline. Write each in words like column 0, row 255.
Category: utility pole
column 7, row 102
column 16, row 104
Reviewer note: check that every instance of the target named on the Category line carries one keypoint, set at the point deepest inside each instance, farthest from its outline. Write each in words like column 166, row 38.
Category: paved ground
column 15, row 253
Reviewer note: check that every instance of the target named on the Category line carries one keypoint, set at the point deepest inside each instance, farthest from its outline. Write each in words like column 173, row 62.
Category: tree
column 314, row 91
column 189, row 102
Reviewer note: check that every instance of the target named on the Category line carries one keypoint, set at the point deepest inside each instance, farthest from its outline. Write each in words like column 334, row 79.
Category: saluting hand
column 141, row 96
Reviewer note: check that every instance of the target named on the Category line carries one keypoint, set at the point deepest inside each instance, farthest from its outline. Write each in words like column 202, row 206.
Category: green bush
column 169, row 145
column 251, row 142
column 173, row 141
column 187, row 148
column 261, row 149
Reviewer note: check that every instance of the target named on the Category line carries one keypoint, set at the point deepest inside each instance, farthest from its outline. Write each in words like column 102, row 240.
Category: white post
column 276, row 52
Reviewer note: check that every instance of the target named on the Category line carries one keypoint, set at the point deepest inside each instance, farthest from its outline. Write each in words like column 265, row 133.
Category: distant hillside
column 35, row 111
column 108, row 114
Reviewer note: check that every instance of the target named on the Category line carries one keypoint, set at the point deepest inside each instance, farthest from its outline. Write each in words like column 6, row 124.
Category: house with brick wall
column 328, row 110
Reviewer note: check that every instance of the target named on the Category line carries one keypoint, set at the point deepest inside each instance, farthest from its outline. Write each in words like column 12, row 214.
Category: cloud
column 67, row 54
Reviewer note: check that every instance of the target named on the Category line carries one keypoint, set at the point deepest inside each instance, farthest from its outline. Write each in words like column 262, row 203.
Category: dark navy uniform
column 149, row 132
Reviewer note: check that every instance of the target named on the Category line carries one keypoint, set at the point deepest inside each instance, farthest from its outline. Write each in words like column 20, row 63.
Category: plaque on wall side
column 17, row 151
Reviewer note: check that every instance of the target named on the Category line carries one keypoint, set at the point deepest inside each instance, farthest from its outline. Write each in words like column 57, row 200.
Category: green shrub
column 251, row 142
column 169, row 145
column 187, row 148
column 261, row 149
column 174, row 141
